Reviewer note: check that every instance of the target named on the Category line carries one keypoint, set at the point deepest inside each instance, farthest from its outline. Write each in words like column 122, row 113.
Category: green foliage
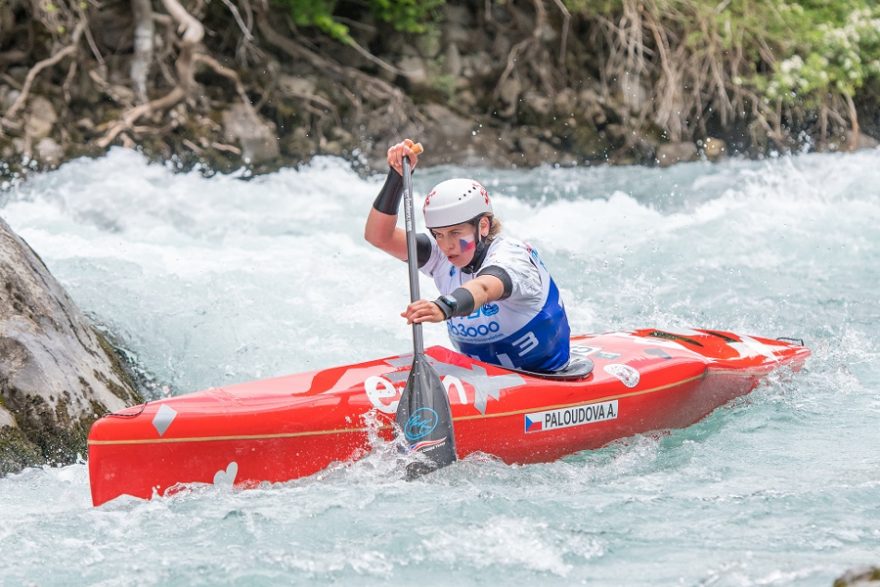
column 411, row 16
column 588, row 8
column 839, row 52
column 791, row 50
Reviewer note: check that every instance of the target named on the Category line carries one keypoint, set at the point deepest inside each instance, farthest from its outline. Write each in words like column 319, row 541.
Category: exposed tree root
column 631, row 76
column 35, row 71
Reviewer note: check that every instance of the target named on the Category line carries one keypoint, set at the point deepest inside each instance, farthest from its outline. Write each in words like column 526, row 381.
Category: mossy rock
column 863, row 577
column 16, row 452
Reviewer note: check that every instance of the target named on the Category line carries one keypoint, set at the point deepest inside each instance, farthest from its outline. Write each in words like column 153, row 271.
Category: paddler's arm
column 476, row 293
column 381, row 230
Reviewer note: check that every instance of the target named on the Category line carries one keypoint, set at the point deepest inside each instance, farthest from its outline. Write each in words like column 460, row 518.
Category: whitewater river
column 220, row 280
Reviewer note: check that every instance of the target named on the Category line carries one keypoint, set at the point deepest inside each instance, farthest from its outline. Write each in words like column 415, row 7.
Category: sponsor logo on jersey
column 490, row 309
column 462, row 331
column 627, row 375
column 569, row 417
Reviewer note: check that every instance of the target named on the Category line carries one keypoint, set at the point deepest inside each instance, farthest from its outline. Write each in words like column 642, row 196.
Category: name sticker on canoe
column 568, row 417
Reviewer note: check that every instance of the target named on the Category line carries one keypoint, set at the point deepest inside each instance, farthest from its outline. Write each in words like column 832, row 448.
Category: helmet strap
column 481, row 248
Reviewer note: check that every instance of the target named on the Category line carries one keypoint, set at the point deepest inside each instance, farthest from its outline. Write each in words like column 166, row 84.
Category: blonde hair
column 495, row 226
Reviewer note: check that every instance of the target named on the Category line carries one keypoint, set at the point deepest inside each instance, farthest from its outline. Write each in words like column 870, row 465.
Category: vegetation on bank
column 276, row 81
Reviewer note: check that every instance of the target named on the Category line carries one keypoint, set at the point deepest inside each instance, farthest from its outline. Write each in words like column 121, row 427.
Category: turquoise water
column 212, row 281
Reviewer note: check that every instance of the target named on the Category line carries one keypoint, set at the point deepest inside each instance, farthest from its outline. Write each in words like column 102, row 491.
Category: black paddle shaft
column 423, row 414
column 411, row 254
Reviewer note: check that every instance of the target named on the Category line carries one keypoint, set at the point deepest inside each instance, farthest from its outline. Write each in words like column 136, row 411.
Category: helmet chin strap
column 480, row 250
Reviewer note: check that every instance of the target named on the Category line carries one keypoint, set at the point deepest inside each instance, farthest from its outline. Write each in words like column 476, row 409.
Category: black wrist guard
column 388, row 200
column 458, row 303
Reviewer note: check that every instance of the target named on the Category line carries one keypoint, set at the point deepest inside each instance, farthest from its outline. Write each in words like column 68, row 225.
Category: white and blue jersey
column 528, row 329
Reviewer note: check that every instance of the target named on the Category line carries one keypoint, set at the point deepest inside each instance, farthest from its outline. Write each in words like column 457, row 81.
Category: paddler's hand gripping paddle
column 423, row 414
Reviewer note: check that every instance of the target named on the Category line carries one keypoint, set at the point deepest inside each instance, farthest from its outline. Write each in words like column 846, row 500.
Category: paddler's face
column 459, row 241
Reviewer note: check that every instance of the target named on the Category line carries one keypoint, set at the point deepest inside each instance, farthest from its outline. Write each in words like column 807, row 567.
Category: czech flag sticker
column 533, row 425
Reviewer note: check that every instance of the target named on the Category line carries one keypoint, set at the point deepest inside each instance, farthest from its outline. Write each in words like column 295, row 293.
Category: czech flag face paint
column 467, row 243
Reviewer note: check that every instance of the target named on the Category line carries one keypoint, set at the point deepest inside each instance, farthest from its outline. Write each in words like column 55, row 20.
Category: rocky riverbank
column 230, row 84
column 57, row 373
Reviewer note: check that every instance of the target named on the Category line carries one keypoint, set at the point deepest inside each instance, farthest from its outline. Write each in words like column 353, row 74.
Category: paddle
column 423, row 414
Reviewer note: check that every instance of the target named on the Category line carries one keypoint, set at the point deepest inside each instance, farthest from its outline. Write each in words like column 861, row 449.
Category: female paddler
column 499, row 301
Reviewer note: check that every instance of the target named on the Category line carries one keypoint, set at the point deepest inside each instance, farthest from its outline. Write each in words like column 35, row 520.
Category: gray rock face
column 48, row 151
column 41, row 119
column 862, row 141
column 257, row 138
column 57, row 374
column 672, row 153
column 863, row 577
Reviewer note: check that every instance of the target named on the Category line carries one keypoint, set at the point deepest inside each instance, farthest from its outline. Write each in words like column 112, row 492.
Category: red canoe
column 288, row 427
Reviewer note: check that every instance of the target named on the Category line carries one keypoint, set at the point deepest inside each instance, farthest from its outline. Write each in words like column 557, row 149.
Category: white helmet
column 455, row 201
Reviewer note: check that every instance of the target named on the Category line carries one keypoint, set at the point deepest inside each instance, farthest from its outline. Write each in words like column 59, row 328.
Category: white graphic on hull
column 485, row 386
column 749, row 347
column 226, row 477
column 385, row 396
column 627, row 375
column 164, row 417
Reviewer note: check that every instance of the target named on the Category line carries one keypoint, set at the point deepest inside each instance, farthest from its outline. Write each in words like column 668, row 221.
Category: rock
column 16, row 452
column 634, row 93
column 590, row 105
column 714, row 148
column 863, row 577
column 429, row 44
column 538, row 103
column 501, row 45
column 85, row 124
column 414, row 70
column 510, row 90
column 49, row 152
column 299, row 144
column 296, row 85
column 465, row 99
column 616, row 134
column 452, row 64
column 342, row 135
column 41, row 117
column 112, row 26
column 565, row 102
column 862, row 141
column 458, row 25
column 586, row 142
column 462, row 141
column 8, row 96
column 672, row 153
column 453, row 128
column 57, row 374
column 333, row 148
column 477, row 64
column 535, row 152
column 257, row 138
